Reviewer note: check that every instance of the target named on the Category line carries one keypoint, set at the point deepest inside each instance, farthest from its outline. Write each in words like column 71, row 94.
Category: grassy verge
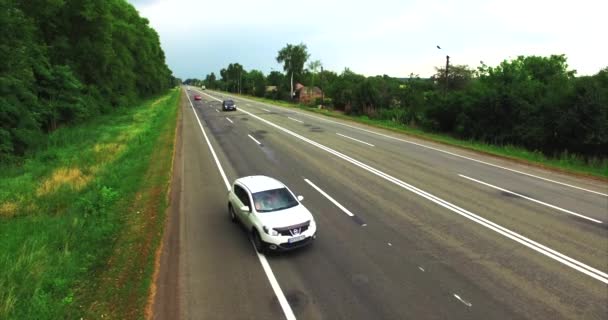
column 566, row 162
column 80, row 220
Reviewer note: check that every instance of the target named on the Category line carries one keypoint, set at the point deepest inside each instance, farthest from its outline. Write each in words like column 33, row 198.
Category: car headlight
column 271, row 232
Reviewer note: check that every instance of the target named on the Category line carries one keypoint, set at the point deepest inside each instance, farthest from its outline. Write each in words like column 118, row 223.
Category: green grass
column 570, row 163
column 65, row 210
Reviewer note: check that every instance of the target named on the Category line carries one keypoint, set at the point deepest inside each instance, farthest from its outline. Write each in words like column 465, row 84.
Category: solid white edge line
column 330, row 198
column 289, row 315
column 265, row 265
column 229, row 120
column 466, row 303
column 300, row 121
column 533, row 200
column 448, row 152
column 572, row 263
column 345, row 136
column 252, row 138
column 217, row 161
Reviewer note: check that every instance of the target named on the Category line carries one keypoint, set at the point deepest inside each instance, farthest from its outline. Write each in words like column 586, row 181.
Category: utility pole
column 322, row 90
column 291, row 87
column 447, row 67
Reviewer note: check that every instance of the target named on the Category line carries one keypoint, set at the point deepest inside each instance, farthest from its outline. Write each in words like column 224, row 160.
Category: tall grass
column 63, row 208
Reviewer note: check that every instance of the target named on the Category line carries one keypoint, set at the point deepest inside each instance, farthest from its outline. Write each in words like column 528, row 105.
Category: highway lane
column 601, row 252
column 580, row 238
column 205, row 254
column 316, row 282
column 414, row 259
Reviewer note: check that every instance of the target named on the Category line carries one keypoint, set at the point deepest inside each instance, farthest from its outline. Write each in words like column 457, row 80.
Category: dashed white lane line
column 229, row 120
column 466, row 303
column 252, row 138
column 216, row 110
column 455, row 154
column 421, row 269
column 265, row 110
column 540, row 248
column 287, row 311
column 300, row 121
column 531, row 199
column 345, row 136
column 350, row 214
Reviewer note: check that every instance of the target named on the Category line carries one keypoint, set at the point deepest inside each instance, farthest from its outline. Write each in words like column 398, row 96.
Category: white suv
column 276, row 220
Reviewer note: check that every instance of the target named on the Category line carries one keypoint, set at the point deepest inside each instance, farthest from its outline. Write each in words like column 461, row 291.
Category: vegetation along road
column 470, row 192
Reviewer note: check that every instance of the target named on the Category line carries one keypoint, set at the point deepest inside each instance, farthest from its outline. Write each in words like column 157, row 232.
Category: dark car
column 228, row 105
column 197, row 97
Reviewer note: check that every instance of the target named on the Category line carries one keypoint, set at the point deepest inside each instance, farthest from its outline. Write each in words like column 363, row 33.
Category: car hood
column 285, row 218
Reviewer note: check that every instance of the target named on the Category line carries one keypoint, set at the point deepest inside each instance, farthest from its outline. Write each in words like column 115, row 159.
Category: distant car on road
column 228, row 105
column 197, row 97
column 203, row 88
column 269, row 211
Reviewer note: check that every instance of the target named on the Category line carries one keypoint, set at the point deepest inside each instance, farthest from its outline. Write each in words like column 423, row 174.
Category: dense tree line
column 66, row 61
column 533, row 102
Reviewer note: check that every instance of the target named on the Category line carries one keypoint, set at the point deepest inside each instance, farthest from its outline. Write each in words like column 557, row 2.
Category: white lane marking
column 229, row 120
column 265, row 110
column 572, row 263
column 369, row 144
column 275, row 286
column 350, row 214
column 454, row 154
column 267, row 270
column 466, row 303
column 421, row 269
column 390, row 244
column 300, row 121
column 217, row 161
column 533, row 200
column 252, row 138
column 216, row 110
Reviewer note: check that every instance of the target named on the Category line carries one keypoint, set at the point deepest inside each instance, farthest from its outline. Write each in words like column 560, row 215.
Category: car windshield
column 229, row 102
column 273, row 200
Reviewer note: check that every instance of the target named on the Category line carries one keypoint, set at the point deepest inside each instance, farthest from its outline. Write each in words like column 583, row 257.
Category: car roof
column 260, row 183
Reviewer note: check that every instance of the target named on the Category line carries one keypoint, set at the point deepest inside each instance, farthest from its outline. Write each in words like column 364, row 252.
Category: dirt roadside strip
column 164, row 304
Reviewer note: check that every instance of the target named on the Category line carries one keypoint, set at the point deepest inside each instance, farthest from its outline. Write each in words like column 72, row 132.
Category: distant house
column 307, row 95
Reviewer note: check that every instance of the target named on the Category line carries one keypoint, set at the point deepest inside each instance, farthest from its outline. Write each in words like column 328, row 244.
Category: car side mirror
column 300, row 198
column 245, row 208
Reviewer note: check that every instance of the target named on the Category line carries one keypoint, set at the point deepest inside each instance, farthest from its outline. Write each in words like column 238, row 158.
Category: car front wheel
column 232, row 214
column 257, row 242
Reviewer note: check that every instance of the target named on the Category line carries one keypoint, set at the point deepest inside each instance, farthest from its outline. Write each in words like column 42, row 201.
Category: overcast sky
column 394, row 37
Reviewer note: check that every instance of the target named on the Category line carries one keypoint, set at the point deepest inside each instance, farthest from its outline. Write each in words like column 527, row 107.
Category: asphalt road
column 436, row 233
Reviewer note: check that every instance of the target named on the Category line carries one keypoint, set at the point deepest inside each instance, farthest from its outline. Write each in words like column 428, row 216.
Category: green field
column 570, row 163
column 81, row 218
